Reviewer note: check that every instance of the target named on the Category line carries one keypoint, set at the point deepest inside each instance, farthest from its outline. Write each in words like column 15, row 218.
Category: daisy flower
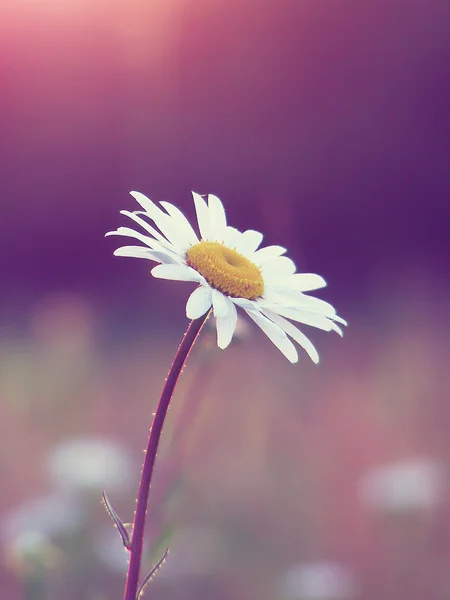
column 231, row 271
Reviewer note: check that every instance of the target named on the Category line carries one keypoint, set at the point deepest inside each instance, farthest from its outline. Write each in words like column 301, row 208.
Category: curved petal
column 202, row 216
column 231, row 236
column 154, row 232
column 182, row 222
column 249, row 242
column 226, row 327
column 141, row 252
column 150, row 208
column 276, row 335
column 294, row 299
column 318, row 306
column 145, row 239
column 221, row 304
column 169, row 256
column 176, row 273
column 168, row 226
column 304, row 316
column 306, row 282
column 174, row 232
column 217, row 218
column 148, row 205
column 246, row 304
column 266, row 254
column 295, row 334
column 199, row 302
column 277, row 268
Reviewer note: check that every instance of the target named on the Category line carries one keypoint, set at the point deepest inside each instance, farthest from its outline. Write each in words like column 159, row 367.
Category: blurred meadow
column 325, row 125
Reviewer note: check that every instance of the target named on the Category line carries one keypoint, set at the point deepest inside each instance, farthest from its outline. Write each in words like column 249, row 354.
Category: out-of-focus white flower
column 321, row 580
column 404, row 485
column 41, row 518
column 231, row 271
column 90, row 464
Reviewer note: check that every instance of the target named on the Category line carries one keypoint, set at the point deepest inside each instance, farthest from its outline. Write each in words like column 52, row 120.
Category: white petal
column 231, row 236
column 174, row 232
column 306, row 282
column 202, row 216
column 295, row 299
column 133, row 252
column 246, row 304
column 199, row 302
column 150, row 242
column 176, row 273
column 184, row 224
column 168, row 226
column 295, row 334
column 277, row 268
column 220, row 303
column 155, row 233
column 284, row 284
column 249, row 241
column 150, row 207
column 320, row 307
column 317, row 305
column 284, row 297
column 337, row 329
column 217, row 218
column 226, row 327
column 268, row 253
column 304, row 316
column 145, row 239
column 276, row 335
column 141, row 252
column 339, row 320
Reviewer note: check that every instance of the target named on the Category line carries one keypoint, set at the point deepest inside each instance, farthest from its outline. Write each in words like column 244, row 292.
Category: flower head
column 231, row 271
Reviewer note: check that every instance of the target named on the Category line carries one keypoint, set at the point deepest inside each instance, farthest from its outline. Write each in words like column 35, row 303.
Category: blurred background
column 326, row 125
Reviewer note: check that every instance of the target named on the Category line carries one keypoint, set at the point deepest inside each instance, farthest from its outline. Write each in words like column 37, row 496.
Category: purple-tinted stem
column 134, row 565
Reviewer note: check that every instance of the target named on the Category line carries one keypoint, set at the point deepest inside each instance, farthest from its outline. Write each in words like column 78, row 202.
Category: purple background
column 324, row 124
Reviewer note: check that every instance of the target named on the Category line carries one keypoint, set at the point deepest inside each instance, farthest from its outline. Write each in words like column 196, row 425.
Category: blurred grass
column 260, row 464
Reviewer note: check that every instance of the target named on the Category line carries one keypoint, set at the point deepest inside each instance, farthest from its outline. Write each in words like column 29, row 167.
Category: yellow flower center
column 226, row 270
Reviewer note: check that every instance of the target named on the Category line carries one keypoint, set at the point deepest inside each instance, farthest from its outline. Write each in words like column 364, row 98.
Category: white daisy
column 231, row 271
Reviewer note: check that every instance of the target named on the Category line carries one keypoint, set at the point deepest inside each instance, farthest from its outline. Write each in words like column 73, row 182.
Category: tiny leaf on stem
column 118, row 522
column 152, row 573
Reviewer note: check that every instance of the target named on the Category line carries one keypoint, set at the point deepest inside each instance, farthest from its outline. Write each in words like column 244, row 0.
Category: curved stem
column 137, row 538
